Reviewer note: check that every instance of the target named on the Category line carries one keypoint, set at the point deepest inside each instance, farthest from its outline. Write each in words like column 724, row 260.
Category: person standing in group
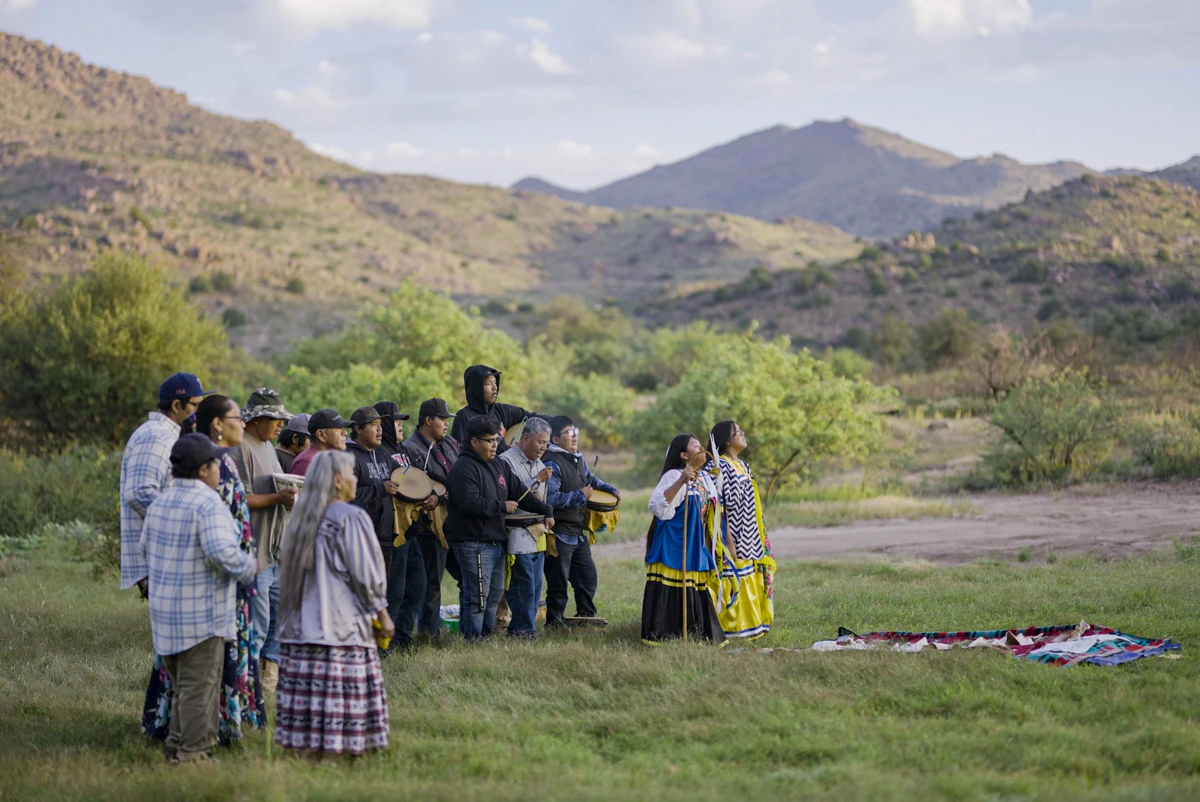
column 526, row 549
column 568, row 490
column 292, row 441
column 393, row 431
column 373, row 466
column 481, row 385
column 220, row 419
column 256, row 462
column 327, row 430
column 482, row 491
column 146, row 468
column 194, row 562
column 331, row 697
column 747, row 606
column 682, row 505
column 432, row 450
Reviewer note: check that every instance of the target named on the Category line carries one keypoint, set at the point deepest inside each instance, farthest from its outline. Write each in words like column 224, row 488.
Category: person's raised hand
column 544, row 474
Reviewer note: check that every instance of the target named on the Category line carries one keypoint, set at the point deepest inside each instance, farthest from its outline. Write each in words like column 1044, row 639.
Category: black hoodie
column 478, row 491
column 373, row 468
column 507, row 415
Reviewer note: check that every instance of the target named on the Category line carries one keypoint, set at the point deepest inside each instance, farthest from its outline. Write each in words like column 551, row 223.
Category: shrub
column 1170, row 448
column 600, row 405
column 1181, row 290
column 83, row 362
column 875, row 283
column 200, row 284
column 223, row 282
column 349, row 387
column 893, row 343
column 1056, row 427
column 950, row 337
column 1051, row 309
column 233, row 317
column 295, row 286
column 138, row 216
column 1030, row 272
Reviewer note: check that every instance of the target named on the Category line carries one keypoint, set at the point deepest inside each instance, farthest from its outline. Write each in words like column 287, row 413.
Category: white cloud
column 645, row 151
column 365, row 157
column 403, row 150
column 17, row 6
column 951, row 18
column 573, row 151
column 534, row 24
column 546, row 59
column 305, row 18
column 332, row 151
column 672, row 48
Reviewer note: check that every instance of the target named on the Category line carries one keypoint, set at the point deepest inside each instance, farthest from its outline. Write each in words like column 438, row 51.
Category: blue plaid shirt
column 194, row 564
column 145, row 472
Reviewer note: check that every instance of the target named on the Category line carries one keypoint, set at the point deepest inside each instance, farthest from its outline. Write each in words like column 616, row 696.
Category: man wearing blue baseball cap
column 146, row 468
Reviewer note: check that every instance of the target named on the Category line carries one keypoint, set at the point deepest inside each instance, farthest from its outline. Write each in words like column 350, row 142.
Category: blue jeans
column 482, row 586
column 524, row 592
column 263, row 610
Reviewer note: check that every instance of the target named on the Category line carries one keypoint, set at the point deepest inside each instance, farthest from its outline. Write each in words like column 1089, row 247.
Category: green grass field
column 599, row 716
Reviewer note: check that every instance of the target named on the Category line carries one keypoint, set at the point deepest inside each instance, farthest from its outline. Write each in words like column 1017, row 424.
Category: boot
column 270, row 675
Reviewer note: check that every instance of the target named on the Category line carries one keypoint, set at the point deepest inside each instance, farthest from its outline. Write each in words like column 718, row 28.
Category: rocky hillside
column 862, row 179
column 284, row 242
column 1187, row 173
column 1117, row 254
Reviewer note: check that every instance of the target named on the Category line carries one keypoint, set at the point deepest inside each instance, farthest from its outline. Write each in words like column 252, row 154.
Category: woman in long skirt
column 332, row 587
column 219, row 418
column 681, row 493
column 746, row 608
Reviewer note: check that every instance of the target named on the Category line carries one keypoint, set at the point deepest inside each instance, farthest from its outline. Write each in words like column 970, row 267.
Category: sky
column 582, row 92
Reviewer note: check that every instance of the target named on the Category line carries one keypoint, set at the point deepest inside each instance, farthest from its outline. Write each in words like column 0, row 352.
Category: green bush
column 600, row 405
column 794, row 409
column 233, row 317
column 223, row 282
column 1057, row 427
column 83, row 362
column 77, row 485
column 200, row 284
column 348, row 388
column 949, row 338
column 1171, row 448
column 295, row 286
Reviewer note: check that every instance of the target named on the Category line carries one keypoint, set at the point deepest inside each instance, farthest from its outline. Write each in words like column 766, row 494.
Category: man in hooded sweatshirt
column 373, row 466
column 482, row 387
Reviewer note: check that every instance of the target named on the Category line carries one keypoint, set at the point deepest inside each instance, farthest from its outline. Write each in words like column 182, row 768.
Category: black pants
column 396, row 561
column 434, row 563
column 574, row 565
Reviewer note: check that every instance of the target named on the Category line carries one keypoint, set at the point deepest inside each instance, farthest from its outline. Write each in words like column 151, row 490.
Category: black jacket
column 373, row 468
column 417, row 448
column 507, row 415
column 478, row 491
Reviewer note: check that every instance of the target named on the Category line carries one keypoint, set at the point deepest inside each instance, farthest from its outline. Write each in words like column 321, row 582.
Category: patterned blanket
column 1065, row 645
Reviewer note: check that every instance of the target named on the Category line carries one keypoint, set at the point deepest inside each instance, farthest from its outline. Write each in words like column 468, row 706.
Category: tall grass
column 597, row 715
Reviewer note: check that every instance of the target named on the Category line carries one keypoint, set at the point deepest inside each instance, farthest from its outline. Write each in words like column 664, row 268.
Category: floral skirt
column 241, row 686
column 331, row 699
column 662, row 605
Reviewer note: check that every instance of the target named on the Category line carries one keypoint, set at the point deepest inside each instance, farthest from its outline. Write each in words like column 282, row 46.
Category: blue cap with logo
column 181, row 386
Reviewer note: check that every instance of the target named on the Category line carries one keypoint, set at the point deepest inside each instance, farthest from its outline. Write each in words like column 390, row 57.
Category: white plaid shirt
column 194, row 563
column 145, row 472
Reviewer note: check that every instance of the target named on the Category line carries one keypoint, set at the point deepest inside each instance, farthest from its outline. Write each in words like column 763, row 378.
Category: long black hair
column 211, row 408
column 674, row 462
column 722, row 433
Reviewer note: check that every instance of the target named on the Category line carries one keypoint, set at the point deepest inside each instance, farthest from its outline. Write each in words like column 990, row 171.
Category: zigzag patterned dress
column 746, row 607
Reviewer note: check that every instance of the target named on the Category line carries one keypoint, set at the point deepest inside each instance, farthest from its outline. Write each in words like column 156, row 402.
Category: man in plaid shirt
column 145, row 468
column 194, row 564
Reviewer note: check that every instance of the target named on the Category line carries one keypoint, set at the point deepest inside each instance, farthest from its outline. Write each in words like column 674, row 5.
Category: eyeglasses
column 488, row 440
column 568, row 432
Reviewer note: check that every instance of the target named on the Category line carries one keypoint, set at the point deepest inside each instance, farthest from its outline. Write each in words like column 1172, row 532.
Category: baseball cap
column 265, row 403
column 326, row 419
column 364, row 415
column 193, row 451
column 298, row 424
column 182, row 386
column 434, row 407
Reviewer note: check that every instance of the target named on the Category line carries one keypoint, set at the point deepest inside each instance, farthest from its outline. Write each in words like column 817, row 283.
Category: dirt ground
column 1106, row 520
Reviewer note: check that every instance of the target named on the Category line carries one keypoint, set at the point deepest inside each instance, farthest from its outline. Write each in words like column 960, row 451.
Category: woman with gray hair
column 332, row 588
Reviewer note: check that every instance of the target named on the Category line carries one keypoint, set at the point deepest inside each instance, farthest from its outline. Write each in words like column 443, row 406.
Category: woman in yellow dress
column 746, row 608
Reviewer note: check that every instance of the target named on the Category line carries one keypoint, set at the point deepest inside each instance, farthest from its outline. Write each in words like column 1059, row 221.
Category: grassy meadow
column 597, row 715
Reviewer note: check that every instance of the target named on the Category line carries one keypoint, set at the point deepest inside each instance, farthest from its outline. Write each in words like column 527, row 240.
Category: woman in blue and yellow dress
column 681, row 494
column 746, row 606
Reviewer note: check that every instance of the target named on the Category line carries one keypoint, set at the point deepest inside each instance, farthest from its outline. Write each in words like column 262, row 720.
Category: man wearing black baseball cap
column 328, row 431
column 145, row 467
column 432, row 450
column 194, row 563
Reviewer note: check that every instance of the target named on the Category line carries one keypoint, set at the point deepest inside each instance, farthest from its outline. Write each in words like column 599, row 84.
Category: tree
column 795, row 410
column 893, row 343
column 600, row 405
column 83, row 363
column 1055, row 426
column 949, row 338
column 348, row 388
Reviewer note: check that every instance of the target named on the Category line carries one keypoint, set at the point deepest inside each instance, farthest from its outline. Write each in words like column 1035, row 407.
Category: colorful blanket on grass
column 1065, row 645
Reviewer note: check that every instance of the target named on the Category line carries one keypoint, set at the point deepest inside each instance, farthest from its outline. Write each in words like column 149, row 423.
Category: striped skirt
column 331, row 699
